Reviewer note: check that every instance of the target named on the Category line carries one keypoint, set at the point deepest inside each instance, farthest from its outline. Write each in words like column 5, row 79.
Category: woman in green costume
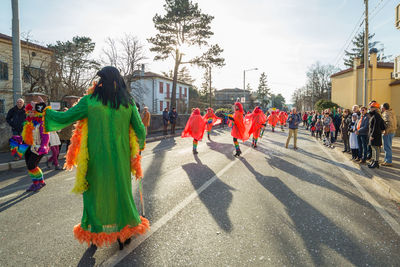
column 105, row 147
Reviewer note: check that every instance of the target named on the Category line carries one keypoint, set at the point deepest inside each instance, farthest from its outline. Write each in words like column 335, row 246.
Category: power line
column 376, row 13
column 360, row 22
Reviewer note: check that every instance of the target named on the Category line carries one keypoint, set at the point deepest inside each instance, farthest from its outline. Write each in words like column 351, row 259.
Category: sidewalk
column 388, row 178
column 7, row 161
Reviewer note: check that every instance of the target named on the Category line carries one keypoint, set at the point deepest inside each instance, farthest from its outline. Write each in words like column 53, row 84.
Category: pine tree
column 358, row 49
column 183, row 25
column 263, row 91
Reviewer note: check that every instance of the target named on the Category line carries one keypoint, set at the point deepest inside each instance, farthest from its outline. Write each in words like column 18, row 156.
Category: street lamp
column 244, row 82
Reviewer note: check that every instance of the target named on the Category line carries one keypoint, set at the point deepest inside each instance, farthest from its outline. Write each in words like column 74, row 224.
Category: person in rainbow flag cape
column 17, row 147
column 105, row 147
column 282, row 119
column 35, row 136
column 273, row 120
column 240, row 127
column 194, row 128
column 258, row 119
column 211, row 119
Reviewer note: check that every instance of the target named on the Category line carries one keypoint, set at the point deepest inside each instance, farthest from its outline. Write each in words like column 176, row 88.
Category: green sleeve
column 55, row 120
column 138, row 126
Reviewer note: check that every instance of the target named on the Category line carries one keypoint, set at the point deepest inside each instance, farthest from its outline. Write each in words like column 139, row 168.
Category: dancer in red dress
column 238, row 127
column 273, row 120
column 258, row 120
column 210, row 119
column 282, row 119
column 194, row 128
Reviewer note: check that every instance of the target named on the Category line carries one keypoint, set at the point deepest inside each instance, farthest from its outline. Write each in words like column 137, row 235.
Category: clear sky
column 281, row 38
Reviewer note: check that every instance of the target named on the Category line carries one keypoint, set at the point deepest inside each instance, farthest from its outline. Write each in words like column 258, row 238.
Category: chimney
column 373, row 57
column 356, row 62
column 142, row 70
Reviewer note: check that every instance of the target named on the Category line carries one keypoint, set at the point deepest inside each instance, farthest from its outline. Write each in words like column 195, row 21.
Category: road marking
column 117, row 257
column 384, row 214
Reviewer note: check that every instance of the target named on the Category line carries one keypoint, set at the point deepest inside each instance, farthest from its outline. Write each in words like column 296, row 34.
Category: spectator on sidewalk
column 327, row 121
column 376, row 126
column 305, row 116
column 356, row 109
column 146, row 118
column 389, row 117
column 362, row 135
column 353, row 137
column 65, row 135
column 173, row 116
column 54, row 142
column 294, row 121
column 337, row 120
column 165, row 120
column 344, row 130
column 16, row 117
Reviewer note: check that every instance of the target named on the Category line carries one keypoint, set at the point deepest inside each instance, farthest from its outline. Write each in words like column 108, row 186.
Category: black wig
column 111, row 88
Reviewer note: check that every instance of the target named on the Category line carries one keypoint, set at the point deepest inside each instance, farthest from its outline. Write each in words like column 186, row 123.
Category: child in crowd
column 353, row 137
column 318, row 129
column 326, row 122
column 55, row 150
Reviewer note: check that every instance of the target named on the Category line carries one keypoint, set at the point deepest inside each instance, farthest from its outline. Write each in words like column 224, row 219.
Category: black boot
column 374, row 164
column 195, row 151
column 121, row 245
column 127, row 241
column 238, row 152
column 208, row 136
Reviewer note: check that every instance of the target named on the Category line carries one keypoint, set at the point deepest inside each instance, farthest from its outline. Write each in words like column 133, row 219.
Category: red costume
column 282, row 118
column 194, row 128
column 258, row 120
column 210, row 119
column 240, row 127
column 273, row 119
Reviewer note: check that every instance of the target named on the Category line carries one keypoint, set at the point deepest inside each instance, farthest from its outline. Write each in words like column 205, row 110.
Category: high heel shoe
column 121, row 245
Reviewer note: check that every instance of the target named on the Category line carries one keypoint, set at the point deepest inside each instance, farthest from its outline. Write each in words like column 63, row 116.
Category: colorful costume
column 211, row 119
column 105, row 148
column 273, row 120
column 37, row 138
column 194, row 128
column 240, row 127
column 258, row 120
column 282, row 119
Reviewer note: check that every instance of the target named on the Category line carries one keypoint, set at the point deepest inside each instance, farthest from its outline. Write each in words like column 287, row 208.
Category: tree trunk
column 175, row 79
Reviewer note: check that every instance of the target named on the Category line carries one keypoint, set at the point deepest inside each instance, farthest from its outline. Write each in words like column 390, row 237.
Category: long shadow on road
column 217, row 198
column 315, row 229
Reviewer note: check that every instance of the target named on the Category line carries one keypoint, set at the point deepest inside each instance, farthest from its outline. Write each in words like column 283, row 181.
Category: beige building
column 35, row 60
column 348, row 85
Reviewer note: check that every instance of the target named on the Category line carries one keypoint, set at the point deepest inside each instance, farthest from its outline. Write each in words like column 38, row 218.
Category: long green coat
column 108, row 204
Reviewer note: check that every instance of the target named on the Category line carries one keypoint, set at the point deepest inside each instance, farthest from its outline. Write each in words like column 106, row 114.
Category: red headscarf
column 194, row 126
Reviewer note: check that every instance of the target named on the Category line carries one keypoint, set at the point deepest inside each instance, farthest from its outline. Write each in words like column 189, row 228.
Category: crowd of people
column 363, row 130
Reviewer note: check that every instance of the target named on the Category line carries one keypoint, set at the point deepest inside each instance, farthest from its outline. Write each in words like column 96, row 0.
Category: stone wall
column 5, row 133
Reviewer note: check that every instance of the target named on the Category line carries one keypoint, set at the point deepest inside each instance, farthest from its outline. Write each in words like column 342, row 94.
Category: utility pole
column 209, row 73
column 16, row 52
column 366, row 62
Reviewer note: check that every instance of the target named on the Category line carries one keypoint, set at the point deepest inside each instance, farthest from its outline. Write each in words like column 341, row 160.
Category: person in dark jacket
column 16, row 117
column 165, row 120
column 362, row 135
column 344, row 129
column 337, row 120
column 376, row 126
column 173, row 116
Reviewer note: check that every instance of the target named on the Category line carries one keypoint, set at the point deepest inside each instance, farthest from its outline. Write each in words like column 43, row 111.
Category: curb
column 393, row 193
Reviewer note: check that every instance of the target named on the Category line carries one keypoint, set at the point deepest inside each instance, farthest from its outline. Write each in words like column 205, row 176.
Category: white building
column 154, row 91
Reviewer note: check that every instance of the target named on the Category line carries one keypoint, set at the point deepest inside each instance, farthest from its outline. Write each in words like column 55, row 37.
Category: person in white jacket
column 55, row 150
column 353, row 137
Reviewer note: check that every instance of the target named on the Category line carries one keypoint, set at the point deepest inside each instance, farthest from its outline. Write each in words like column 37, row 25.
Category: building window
column 161, row 87
column 3, row 71
column 167, row 90
column 161, row 105
column 180, row 92
column 2, row 106
column 32, row 74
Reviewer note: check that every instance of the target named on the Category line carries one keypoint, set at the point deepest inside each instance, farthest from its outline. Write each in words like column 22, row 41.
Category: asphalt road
column 271, row 207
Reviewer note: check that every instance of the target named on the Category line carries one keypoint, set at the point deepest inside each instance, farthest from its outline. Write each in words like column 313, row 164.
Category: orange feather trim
column 137, row 166
column 74, row 148
column 27, row 133
column 101, row 239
